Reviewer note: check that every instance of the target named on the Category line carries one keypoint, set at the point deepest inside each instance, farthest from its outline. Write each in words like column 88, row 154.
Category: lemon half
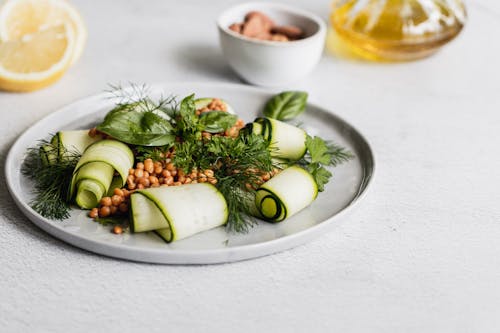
column 39, row 40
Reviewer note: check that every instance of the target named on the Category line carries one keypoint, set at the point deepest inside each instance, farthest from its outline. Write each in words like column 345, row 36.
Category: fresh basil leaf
column 217, row 121
column 188, row 108
column 187, row 119
column 133, row 124
column 286, row 105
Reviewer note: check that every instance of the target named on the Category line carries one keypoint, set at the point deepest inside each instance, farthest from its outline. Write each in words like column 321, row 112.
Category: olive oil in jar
column 397, row 29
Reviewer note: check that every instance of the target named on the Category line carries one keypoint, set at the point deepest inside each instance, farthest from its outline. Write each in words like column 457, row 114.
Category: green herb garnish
column 236, row 162
column 233, row 160
column 52, row 180
column 286, row 105
column 138, row 120
column 319, row 155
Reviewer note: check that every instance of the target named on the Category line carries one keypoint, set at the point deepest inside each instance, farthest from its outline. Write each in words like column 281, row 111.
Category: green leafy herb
column 321, row 153
column 318, row 150
column 240, row 203
column 217, row 121
column 320, row 174
column 236, row 163
column 187, row 123
column 140, row 123
column 286, row 105
column 52, row 180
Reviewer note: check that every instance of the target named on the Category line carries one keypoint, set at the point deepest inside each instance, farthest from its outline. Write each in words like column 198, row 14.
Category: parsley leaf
column 320, row 175
column 319, row 155
column 318, row 150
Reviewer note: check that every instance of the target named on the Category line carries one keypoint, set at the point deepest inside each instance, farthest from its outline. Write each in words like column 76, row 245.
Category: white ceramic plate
column 349, row 183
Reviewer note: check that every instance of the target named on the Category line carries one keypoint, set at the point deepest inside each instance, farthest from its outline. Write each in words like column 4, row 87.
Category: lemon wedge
column 37, row 60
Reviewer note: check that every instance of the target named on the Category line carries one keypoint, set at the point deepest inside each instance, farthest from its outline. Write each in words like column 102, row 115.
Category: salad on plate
column 180, row 167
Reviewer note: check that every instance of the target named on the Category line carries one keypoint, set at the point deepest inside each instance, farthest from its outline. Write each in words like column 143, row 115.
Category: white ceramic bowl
column 270, row 63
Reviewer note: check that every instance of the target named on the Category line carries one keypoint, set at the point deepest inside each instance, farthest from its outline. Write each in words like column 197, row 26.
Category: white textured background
column 420, row 254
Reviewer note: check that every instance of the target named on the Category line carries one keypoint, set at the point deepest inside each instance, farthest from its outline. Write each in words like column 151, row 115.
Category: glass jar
column 397, row 29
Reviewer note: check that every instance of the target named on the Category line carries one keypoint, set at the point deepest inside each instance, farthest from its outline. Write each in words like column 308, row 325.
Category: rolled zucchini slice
column 94, row 171
column 115, row 183
column 177, row 212
column 49, row 154
column 77, row 140
column 285, row 141
column 285, row 194
column 63, row 143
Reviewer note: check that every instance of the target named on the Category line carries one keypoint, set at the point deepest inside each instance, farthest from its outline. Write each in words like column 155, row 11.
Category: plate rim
column 182, row 256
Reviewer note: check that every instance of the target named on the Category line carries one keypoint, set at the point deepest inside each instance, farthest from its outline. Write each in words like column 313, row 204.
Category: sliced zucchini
column 178, row 212
column 89, row 193
column 97, row 165
column 285, row 141
column 113, row 152
column 285, row 194
column 77, row 140
column 115, row 183
column 165, row 234
column 200, row 103
column 66, row 143
column 146, row 215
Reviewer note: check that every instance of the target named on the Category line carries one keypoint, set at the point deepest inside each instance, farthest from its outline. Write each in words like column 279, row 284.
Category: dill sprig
column 338, row 154
column 137, row 97
column 240, row 203
column 51, row 180
column 237, row 164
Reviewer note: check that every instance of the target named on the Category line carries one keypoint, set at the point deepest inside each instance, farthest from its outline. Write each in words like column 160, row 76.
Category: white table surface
column 421, row 253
